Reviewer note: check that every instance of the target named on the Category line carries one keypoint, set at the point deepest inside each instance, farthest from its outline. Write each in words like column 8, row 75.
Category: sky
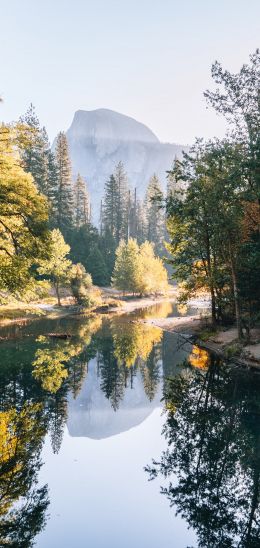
column 149, row 59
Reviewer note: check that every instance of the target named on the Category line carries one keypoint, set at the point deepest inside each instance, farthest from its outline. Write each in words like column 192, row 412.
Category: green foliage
column 23, row 219
column 64, row 199
column 127, row 271
column 93, row 252
column 155, row 216
column 138, row 270
column 82, row 202
column 56, row 265
column 49, row 367
column 36, row 154
column 214, row 215
column 82, row 288
column 97, row 267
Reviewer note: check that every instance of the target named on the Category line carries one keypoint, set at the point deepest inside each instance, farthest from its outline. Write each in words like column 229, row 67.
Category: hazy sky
column 149, row 59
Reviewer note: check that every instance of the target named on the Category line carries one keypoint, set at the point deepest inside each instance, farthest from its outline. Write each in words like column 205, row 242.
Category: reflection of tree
column 112, row 380
column 158, row 310
column 21, row 438
column 49, row 364
column 199, row 357
column 57, row 416
column 151, row 371
column 35, row 377
column 133, row 340
column 123, row 348
column 213, row 459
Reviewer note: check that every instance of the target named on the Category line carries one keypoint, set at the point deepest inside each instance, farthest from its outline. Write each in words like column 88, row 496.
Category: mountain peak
column 107, row 124
column 99, row 139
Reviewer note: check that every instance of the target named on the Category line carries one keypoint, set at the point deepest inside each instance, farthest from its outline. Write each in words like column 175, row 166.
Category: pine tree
column 82, row 203
column 132, row 216
column 110, row 206
column 97, row 267
column 155, row 223
column 122, row 203
column 36, row 154
column 64, row 218
column 111, row 374
column 140, row 222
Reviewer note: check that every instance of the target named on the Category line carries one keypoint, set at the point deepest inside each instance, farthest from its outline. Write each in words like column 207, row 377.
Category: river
column 123, row 435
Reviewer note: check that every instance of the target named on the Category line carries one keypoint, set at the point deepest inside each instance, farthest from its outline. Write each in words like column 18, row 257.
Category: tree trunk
column 235, row 293
column 213, row 307
column 211, row 284
column 58, row 292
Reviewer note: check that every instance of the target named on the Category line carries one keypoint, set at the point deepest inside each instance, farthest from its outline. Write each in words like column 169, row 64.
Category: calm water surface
column 124, row 435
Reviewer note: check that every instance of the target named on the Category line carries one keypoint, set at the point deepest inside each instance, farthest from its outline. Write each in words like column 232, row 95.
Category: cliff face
column 99, row 139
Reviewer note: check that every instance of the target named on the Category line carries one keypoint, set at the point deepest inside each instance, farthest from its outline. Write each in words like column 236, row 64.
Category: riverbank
column 113, row 301
column 223, row 342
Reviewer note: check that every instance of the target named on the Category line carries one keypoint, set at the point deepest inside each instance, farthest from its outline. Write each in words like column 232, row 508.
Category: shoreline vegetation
column 112, row 301
column 196, row 327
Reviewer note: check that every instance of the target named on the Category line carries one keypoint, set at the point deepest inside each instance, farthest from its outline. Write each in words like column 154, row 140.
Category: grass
column 233, row 349
column 12, row 312
column 205, row 334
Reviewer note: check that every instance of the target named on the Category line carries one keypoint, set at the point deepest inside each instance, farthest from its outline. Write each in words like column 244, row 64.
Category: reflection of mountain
column 91, row 414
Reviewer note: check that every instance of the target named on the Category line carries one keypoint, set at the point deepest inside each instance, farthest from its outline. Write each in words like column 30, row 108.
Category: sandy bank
column 181, row 324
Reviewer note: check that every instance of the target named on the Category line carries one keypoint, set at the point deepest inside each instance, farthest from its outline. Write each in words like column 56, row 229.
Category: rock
column 99, row 139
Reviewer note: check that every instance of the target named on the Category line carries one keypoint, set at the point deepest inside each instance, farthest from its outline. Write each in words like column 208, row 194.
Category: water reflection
column 107, row 378
column 48, row 381
column 21, row 437
column 211, row 468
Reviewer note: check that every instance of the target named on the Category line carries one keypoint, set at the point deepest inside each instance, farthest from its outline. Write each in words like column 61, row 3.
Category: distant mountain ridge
column 99, row 139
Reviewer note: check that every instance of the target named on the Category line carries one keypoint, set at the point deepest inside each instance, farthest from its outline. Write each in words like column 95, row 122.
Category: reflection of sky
column 100, row 495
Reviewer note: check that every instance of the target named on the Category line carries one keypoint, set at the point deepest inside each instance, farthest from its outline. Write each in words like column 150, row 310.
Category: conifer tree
column 36, row 154
column 110, row 206
column 140, row 222
column 122, row 202
column 97, row 267
column 155, row 223
column 64, row 219
column 82, row 203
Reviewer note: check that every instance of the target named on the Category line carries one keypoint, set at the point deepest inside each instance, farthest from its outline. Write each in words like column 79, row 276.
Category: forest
column 203, row 233
column 46, row 229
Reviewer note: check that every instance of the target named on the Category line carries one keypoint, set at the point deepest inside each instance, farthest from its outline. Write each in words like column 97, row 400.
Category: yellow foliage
column 18, row 431
column 199, row 357
column 159, row 310
column 133, row 340
column 23, row 217
column 8, row 437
